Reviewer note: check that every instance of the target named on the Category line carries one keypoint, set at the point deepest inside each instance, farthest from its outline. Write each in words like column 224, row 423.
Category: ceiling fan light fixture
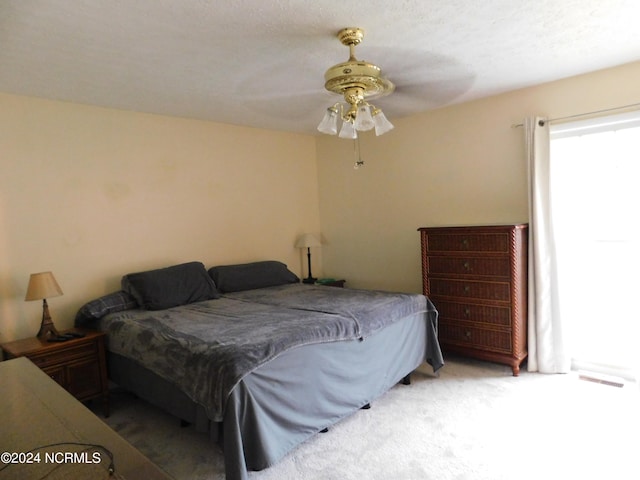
column 364, row 120
column 380, row 122
column 329, row 123
column 355, row 80
column 348, row 131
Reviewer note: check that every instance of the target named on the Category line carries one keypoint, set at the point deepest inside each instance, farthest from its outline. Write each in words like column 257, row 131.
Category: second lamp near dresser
column 476, row 277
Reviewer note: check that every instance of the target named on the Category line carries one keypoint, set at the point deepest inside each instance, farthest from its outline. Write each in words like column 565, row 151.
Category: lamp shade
column 307, row 240
column 41, row 286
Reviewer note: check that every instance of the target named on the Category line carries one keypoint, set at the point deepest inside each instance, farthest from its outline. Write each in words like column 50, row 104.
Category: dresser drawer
column 468, row 242
column 474, row 337
column 62, row 355
column 496, row 291
column 485, row 266
column 499, row 316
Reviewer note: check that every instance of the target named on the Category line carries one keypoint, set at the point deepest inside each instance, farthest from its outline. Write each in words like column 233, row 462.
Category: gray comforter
column 206, row 348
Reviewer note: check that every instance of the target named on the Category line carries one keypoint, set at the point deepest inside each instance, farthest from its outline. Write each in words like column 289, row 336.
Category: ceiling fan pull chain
column 356, row 154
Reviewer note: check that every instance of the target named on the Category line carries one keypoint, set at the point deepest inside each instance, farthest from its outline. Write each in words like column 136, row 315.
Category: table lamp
column 307, row 241
column 42, row 286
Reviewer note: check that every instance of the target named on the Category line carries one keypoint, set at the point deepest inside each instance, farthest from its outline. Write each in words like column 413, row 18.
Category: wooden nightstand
column 79, row 365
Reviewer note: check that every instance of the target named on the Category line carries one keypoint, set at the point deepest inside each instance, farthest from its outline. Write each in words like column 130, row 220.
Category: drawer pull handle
column 465, row 242
column 466, row 266
column 467, row 288
column 467, row 334
column 467, row 312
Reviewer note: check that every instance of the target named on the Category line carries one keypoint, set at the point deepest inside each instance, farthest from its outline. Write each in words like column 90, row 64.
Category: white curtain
column 547, row 351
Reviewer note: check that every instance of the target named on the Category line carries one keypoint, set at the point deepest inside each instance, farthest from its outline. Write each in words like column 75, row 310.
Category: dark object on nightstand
column 331, row 282
column 76, row 363
column 66, row 336
column 58, row 339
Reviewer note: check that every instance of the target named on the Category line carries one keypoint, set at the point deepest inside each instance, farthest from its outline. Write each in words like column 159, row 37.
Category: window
column 595, row 201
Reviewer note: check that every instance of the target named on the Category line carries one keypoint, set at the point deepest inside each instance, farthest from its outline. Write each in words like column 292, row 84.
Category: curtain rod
column 582, row 114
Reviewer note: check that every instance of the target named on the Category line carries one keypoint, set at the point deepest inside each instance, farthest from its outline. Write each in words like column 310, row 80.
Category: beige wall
column 459, row 165
column 92, row 193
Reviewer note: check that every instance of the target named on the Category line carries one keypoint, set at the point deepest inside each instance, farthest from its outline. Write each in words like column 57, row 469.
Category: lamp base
column 309, row 279
column 47, row 329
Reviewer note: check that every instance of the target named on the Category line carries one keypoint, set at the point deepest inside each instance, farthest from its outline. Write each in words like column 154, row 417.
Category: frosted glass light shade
column 364, row 120
column 329, row 123
column 382, row 125
column 347, row 131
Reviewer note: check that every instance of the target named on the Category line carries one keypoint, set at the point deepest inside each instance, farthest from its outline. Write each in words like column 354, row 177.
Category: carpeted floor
column 475, row 421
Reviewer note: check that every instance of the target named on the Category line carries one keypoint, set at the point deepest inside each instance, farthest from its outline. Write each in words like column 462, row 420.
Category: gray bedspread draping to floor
column 276, row 365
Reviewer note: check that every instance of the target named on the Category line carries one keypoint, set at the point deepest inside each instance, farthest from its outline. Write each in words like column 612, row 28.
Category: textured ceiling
column 261, row 63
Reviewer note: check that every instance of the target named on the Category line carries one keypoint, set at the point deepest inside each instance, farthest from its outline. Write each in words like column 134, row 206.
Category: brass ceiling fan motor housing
column 356, row 79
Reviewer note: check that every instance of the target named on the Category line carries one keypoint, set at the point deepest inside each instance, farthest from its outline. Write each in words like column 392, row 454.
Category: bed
column 256, row 358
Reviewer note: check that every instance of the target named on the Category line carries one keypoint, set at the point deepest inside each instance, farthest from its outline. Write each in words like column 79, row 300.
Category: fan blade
column 423, row 80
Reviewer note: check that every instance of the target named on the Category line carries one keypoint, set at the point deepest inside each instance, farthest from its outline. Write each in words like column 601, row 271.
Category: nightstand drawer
column 63, row 355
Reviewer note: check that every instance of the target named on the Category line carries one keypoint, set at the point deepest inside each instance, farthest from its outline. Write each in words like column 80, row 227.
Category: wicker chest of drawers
column 477, row 279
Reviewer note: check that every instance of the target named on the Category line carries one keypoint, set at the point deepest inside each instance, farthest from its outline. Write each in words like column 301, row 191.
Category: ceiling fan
column 357, row 81
column 421, row 79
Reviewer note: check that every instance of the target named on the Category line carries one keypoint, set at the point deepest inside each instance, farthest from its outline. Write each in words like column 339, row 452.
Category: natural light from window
column 595, row 198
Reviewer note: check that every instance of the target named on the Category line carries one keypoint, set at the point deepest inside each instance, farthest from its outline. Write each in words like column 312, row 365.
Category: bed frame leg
column 407, row 380
column 324, row 430
column 365, row 407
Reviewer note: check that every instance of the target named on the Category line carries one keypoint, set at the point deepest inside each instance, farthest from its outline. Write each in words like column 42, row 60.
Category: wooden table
column 45, row 425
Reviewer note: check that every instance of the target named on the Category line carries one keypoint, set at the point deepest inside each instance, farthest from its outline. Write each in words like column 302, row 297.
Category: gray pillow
column 247, row 276
column 98, row 308
column 171, row 286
